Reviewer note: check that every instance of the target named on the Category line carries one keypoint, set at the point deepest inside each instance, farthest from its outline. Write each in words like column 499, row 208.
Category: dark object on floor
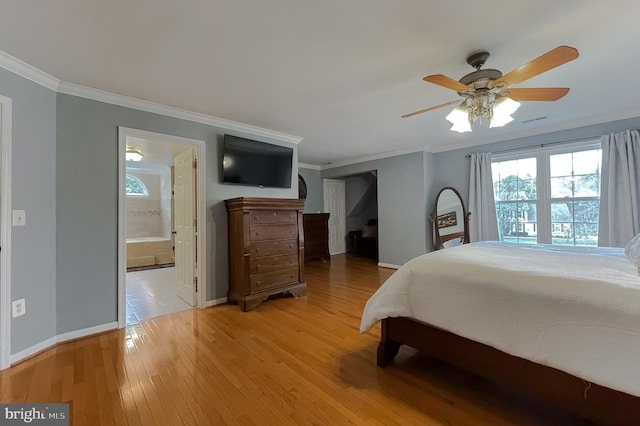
column 364, row 242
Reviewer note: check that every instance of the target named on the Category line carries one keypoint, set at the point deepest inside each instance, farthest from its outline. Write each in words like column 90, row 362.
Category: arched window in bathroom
column 135, row 186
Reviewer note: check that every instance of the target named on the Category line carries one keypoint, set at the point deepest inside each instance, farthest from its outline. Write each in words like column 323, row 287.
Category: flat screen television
column 253, row 163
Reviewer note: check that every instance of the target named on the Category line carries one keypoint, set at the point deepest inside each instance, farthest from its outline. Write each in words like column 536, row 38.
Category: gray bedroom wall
column 87, row 200
column 452, row 168
column 401, row 204
column 315, row 198
column 33, row 249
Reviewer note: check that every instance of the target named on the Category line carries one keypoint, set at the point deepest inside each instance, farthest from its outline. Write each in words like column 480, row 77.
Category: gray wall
column 315, row 198
column 87, row 200
column 402, row 233
column 33, row 249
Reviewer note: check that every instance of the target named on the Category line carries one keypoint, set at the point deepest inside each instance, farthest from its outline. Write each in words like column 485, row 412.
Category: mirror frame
column 438, row 240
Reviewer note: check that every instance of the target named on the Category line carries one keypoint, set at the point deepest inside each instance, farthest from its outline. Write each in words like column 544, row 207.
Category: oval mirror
column 450, row 220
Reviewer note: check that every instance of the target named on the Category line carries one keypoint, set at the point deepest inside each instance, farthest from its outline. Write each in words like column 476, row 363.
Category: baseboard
column 60, row 338
column 215, row 302
column 33, row 350
column 71, row 335
column 389, row 265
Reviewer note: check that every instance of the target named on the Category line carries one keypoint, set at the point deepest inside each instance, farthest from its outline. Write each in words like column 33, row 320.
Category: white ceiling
column 337, row 73
column 157, row 155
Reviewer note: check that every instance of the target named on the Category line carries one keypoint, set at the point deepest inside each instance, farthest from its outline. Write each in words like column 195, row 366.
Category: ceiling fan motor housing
column 479, row 79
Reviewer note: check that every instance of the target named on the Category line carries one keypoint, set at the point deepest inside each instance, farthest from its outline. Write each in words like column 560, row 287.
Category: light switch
column 19, row 218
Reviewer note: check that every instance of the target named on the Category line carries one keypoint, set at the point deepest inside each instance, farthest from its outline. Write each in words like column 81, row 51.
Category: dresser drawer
column 272, row 263
column 272, row 232
column 269, row 248
column 273, row 279
column 267, row 216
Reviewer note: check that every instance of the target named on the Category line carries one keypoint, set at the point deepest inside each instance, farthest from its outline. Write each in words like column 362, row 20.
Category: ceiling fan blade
column 449, row 83
column 431, row 108
column 554, row 58
column 538, row 94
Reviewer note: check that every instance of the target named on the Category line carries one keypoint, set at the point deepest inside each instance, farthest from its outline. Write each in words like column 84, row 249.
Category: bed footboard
column 588, row 400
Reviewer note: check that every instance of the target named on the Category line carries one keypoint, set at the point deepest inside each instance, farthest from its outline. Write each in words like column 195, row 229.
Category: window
column 134, row 186
column 549, row 197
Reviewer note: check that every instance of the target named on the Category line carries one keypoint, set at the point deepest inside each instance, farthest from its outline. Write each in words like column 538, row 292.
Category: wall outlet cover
column 18, row 307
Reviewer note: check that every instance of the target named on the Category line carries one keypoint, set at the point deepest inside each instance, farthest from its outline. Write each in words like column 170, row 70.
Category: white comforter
column 574, row 309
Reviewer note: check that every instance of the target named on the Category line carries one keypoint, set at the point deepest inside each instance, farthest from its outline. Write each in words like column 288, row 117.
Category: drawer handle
column 257, row 233
column 258, row 267
column 258, row 250
column 291, row 230
column 290, row 260
column 291, row 275
column 274, row 213
column 259, row 283
column 256, row 217
column 290, row 245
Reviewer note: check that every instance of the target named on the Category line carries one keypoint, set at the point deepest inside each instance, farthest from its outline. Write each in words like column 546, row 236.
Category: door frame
column 5, row 232
column 201, row 209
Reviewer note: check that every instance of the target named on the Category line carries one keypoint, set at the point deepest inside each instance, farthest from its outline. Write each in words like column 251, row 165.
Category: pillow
column 632, row 251
column 369, row 231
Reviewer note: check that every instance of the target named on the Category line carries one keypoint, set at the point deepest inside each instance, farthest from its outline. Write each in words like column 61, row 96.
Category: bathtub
column 148, row 251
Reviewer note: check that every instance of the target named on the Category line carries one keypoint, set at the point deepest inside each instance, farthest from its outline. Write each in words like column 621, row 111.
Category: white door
column 334, row 204
column 185, row 223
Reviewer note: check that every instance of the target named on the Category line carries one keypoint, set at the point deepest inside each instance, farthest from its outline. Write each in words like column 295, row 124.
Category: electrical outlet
column 19, row 307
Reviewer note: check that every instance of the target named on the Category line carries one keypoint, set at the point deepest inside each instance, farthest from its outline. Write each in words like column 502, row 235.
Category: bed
column 560, row 323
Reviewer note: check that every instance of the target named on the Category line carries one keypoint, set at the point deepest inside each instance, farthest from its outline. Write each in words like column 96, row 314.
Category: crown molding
column 32, row 73
column 309, row 166
column 156, row 108
column 358, row 160
column 27, row 71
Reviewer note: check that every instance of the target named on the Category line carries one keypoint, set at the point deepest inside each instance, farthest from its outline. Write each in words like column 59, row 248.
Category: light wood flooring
column 291, row 361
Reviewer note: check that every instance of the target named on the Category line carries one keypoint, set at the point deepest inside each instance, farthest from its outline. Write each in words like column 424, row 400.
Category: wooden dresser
column 316, row 236
column 266, row 249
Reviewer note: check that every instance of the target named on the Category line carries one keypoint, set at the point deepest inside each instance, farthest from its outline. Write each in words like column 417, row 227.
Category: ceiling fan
column 487, row 94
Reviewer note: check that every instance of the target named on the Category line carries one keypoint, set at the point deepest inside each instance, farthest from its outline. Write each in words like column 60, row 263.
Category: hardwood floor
column 291, row 361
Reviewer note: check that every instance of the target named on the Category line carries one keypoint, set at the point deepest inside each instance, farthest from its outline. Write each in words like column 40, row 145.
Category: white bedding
column 575, row 309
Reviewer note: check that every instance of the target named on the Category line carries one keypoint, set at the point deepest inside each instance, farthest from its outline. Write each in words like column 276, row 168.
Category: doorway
column 161, row 257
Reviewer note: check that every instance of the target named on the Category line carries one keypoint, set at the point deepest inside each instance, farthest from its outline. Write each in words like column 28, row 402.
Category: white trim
column 61, row 338
column 389, row 265
column 77, row 334
column 27, row 71
column 309, row 166
column 5, row 231
column 153, row 107
column 201, row 272
column 40, row 77
column 215, row 302
column 372, row 157
column 45, row 344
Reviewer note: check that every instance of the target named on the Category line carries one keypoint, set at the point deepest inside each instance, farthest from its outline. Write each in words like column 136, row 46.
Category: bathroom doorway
column 159, row 257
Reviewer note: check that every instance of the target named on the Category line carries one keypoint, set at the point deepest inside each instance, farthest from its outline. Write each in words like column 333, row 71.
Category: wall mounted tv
column 253, row 163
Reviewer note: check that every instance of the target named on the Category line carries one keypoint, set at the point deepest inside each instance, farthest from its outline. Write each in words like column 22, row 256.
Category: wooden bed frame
column 587, row 400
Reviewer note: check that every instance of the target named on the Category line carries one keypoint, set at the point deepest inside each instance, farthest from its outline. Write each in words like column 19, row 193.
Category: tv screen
column 248, row 162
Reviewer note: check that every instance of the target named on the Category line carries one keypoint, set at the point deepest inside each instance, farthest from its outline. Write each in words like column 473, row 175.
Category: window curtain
column 619, row 218
column 483, row 223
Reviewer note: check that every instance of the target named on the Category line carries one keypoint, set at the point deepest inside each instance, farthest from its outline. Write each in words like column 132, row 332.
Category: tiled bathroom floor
column 150, row 294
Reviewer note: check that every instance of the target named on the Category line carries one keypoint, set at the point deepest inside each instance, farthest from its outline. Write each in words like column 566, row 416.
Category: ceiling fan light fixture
column 503, row 107
column 133, row 153
column 459, row 117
